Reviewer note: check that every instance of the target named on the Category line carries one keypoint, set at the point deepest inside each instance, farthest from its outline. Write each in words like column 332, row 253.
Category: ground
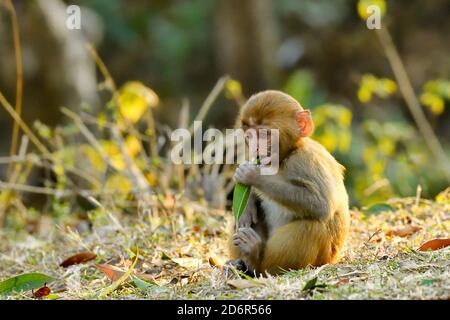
column 180, row 253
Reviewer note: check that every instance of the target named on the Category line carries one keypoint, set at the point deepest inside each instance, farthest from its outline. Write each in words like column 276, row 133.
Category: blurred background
column 319, row 51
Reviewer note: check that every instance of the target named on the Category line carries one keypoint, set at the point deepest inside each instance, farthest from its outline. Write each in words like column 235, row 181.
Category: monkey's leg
column 297, row 245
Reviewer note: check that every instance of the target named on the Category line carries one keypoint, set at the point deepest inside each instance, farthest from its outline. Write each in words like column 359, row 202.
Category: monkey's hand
column 247, row 174
column 250, row 215
column 250, row 245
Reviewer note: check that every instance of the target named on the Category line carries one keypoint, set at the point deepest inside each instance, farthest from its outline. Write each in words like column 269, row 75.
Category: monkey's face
column 271, row 113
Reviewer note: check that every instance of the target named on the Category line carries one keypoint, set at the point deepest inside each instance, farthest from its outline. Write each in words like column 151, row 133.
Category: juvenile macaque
column 299, row 216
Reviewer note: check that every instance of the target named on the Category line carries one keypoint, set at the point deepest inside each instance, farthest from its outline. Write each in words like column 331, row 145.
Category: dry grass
column 376, row 263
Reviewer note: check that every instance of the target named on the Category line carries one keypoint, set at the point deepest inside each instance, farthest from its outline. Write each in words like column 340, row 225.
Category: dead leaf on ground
column 344, row 281
column 112, row 272
column 78, row 258
column 214, row 262
column 434, row 244
column 188, row 263
column 403, row 231
column 42, row 292
column 242, row 283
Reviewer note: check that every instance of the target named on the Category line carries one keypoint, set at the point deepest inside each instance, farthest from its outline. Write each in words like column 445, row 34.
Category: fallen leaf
column 312, row 284
column 147, row 278
column 242, row 283
column 408, row 265
column 434, row 244
column 24, row 282
column 428, row 282
column 188, row 263
column 378, row 208
column 42, row 292
column 122, row 279
column 344, row 281
column 214, row 262
column 165, row 256
column 112, row 272
column 78, row 258
column 141, row 284
column 52, row 296
column 403, row 231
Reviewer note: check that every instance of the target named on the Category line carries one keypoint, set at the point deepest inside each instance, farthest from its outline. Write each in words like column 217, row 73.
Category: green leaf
column 24, row 282
column 312, row 284
column 377, row 208
column 165, row 256
column 141, row 284
column 428, row 282
column 240, row 199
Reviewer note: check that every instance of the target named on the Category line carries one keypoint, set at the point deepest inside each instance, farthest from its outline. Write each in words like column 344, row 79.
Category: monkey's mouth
column 259, row 144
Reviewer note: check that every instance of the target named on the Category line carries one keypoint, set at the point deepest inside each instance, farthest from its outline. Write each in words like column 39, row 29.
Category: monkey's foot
column 249, row 243
column 237, row 264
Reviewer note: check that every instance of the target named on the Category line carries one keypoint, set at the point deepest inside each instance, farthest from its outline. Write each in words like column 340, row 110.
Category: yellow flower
column 434, row 102
column 364, row 95
column 113, row 152
column 135, row 99
column 389, row 85
column 363, row 6
column 386, row 145
column 370, row 85
column 118, row 183
column 151, row 179
column 233, row 88
column 133, row 145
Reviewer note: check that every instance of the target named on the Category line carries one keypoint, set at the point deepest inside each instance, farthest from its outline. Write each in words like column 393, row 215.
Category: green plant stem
column 19, row 77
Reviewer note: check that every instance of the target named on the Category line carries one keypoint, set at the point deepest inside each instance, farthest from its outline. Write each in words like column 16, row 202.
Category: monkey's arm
column 305, row 197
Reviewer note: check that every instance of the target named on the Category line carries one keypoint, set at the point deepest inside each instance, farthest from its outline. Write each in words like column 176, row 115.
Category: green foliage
column 240, row 199
column 302, row 86
column 24, row 282
column 312, row 284
column 383, row 157
column 333, row 127
column 378, row 208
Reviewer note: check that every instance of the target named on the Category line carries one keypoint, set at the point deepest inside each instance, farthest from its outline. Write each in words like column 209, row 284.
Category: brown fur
column 305, row 205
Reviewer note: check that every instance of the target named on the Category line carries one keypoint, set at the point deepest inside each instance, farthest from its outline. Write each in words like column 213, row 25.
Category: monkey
column 299, row 216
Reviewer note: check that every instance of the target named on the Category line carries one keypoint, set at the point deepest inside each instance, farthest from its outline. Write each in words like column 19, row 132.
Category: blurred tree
column 246, row 42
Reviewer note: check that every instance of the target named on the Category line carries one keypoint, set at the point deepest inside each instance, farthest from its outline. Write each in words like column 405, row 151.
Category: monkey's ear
column 305, row 123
